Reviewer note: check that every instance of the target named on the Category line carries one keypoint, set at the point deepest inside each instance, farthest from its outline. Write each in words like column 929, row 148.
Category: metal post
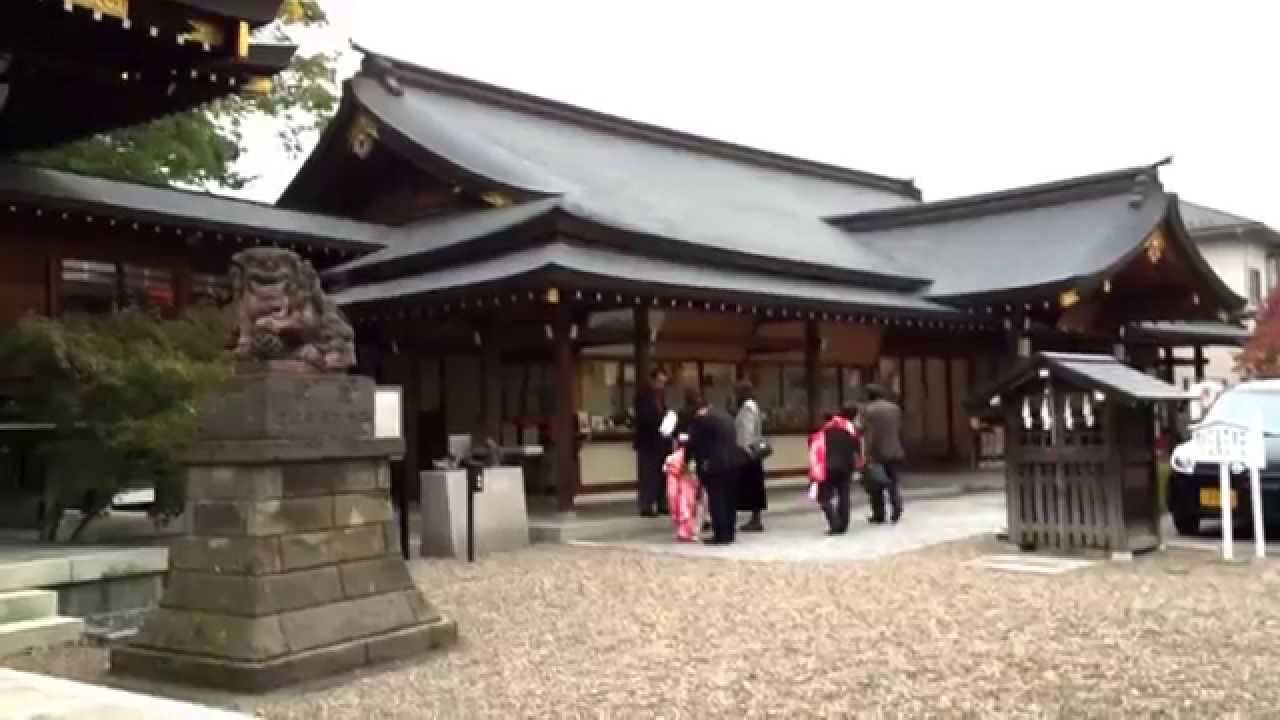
column 473, row 480
column 1224, row 502
column 1255, row 499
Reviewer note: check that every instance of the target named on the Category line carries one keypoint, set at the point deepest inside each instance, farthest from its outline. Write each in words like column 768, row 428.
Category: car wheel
column 1186, row 522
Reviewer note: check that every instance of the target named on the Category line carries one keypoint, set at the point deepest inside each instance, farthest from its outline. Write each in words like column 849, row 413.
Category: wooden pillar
column 1200, row 363
column 564, row 423
column 643, row 348
column 411, row 398
column 812, row 376
column 1166, row 370
column 491, row 390
column 951, row 415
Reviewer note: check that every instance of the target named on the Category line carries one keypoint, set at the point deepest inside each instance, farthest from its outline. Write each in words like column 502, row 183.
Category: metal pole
column 473, row 474
column 1255, row 499
column 1224, row 502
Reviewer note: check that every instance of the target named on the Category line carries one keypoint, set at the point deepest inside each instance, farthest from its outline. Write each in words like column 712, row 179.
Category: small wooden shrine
column 1080, row 453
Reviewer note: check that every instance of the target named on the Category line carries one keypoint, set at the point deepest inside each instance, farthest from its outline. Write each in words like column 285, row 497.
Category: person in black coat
column 713, row 446
column 652, row 448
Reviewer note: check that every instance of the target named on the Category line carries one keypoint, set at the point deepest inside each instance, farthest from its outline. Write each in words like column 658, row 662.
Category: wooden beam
column 640, row 337
column 564, row 422
column 410, row 401
column 812, row 374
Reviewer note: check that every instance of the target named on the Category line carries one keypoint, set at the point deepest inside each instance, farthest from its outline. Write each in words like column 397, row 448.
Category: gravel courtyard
column 558, row 631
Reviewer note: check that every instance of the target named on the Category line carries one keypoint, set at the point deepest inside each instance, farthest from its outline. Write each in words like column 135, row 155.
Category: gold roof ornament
column 1069, row 298
column 260, row 86
column 1155, row 246
column 364, row 135
column 114, row 8
column 242, row 40
column 553, row 296
column 205, row 32
column 496, row 199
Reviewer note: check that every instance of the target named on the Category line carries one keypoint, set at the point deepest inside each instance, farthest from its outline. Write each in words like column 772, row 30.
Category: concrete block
column 371, row 577
column 290, row 515
column 231, row 594
column 305, row 479
column 22, row 605
column 233, row 482
column 119, row 563
column 303, row 589
column 357, row 477
column 359, row 543
column 391, row 537
column 221, row 518
column 138, row 592
column 501, row 517
column 83, row 600
column 16, row 637
column 213, row 634
column 306, row 550
column 340, row 622
column 43, row 572
column 362, row 509
column 229, row 555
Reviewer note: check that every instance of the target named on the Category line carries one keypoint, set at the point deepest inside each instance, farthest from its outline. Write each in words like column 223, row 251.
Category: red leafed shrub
column 1261, row 356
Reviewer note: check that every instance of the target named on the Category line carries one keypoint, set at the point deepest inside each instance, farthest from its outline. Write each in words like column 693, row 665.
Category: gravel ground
column 559, row 631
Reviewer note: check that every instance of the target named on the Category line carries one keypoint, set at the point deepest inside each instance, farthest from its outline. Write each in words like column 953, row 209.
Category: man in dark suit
column 652, row 448
column 713, row 446
column 882, row 423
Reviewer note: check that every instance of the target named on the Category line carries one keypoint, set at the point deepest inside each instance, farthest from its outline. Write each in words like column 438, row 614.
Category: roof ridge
column 1132, row 180
column 393, row 72
column 1243, row 221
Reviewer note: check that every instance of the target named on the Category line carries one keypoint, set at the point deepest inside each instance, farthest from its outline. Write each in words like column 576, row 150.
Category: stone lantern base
column 292, row 570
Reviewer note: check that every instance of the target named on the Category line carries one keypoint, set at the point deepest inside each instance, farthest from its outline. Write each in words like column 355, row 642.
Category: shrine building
column 518, row 265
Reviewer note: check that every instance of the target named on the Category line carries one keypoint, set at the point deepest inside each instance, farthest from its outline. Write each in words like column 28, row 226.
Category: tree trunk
column 90, row 514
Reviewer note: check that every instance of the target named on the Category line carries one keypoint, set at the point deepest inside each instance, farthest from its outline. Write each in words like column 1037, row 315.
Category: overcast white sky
column 964, row 96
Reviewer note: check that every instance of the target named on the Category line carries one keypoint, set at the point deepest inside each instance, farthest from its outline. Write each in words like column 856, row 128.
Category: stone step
column 16, row 637
column 27, row 605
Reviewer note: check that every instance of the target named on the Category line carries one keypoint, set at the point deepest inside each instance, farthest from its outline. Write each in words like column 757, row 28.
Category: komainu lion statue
column 283, row 317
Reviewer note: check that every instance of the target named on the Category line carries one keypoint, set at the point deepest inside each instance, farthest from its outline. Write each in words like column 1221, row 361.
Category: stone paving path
column 27, row 696
column 801, row 538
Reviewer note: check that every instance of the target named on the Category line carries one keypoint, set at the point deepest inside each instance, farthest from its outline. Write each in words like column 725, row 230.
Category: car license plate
column 1212, row 497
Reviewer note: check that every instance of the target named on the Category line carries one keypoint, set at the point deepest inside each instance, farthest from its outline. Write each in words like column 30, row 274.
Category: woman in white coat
column 749, row 424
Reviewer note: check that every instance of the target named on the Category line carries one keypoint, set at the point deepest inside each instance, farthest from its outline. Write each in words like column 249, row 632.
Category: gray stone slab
column 306, row 550
column 231, row 555
column 35, row 573
column 359, row 543
column 371, row 577
column 362, row 509
column 213, row 634
column 304, row 589
column 119, row 563
column 27, row 696
column 231, row 482
column 801, row 538
column 341, row 622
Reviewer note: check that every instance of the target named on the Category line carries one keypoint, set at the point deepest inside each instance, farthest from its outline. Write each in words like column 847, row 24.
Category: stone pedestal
column 501, row 519
column 292, row 570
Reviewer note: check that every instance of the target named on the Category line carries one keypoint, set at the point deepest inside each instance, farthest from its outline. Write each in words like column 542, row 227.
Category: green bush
column 121, row 391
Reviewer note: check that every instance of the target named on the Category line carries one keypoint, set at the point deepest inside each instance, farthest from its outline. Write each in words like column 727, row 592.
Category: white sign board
column 386, row 412
column 1225, row 444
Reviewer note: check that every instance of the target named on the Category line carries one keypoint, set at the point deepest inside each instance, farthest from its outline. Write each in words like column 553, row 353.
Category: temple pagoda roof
column 73, row 68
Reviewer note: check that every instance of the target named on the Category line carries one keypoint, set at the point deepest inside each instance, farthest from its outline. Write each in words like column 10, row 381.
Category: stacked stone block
column 292, row 569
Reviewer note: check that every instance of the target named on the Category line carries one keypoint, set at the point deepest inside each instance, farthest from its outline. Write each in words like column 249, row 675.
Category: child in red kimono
column 834, row 455
column 683, row 494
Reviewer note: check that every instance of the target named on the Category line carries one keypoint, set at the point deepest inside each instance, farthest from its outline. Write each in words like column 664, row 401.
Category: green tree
column 200, row 147
column 121, row 392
